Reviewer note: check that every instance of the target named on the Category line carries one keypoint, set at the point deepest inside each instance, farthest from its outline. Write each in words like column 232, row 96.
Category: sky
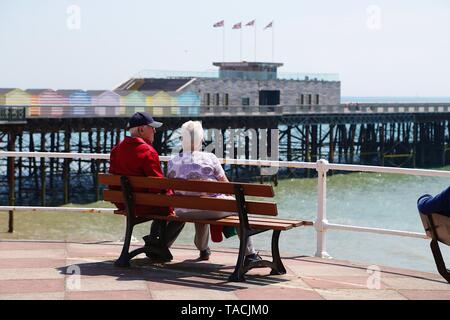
column 378, row 48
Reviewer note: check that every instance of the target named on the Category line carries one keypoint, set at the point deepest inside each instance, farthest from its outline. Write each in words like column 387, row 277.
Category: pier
column 399, row 135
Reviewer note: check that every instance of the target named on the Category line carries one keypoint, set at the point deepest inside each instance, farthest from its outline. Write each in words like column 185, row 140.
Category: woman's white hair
column 192, row 136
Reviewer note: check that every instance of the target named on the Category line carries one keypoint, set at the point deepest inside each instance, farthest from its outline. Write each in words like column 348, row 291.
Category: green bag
column 228, row 231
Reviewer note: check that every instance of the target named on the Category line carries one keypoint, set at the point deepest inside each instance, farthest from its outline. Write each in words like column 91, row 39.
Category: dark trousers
column 440, row 203
column 173, row 229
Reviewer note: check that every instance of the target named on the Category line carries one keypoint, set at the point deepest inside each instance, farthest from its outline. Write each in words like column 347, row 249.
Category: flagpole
column 254, row 26
column 223, row 43
column 273, row 40
column 240, row 48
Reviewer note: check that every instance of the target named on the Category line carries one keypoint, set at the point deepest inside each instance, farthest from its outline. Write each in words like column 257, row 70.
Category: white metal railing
column 322, row 166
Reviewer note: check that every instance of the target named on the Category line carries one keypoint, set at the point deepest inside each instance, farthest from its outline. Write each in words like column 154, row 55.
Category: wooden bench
column 253, row 216
column 437, row 227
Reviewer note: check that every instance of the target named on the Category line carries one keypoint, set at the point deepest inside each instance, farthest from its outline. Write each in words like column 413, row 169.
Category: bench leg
column 239, row 270
column 440, row 264
column 279, row 267
column 124, row 259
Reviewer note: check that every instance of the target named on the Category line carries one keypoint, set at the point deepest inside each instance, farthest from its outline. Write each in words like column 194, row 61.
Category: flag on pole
column 237, row 25
column 270, row 25
column 219, row 24
column 251, row 23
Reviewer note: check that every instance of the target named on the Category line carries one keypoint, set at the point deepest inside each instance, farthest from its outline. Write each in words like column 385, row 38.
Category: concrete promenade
column 49, row 270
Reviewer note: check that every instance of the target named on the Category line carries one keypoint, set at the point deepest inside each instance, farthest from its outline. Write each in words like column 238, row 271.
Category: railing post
column 321, row 222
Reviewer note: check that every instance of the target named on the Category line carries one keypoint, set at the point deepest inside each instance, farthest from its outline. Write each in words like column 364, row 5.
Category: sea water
column 360, row 199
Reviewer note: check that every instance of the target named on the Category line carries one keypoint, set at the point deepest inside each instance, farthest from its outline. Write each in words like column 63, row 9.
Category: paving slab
column 30, row 274
column 192, row 294
column 273, row 293
column 20, row 263
column 109, row 295
column 360, row 294
column 107, row 284
column 34, row 296
column 32, row 286
column 426, row 294
column 342, row 282
column 412, row 283
column 57, row 270
column 31, row 245
column 33, row 254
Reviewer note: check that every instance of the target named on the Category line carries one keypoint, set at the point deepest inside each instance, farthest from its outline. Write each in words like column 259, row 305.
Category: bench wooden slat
column 232, row 223
column 296, row 223
column 250, row 189
column 192, row 202
column 255, row 222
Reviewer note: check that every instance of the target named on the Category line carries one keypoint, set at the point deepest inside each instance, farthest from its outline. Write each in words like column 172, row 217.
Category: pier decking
column 49, row 270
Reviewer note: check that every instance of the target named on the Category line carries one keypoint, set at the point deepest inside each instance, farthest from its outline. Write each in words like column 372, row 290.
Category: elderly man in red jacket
column 135, row 156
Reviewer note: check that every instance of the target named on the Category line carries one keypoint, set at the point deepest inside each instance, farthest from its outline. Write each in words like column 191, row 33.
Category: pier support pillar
column 307, row 154
column 289, row 149
column 331, row 146
column 20, row 162
column 42, row 171
column 381, row 156
column 11, row 180
column 97, row 166
column 66, row 168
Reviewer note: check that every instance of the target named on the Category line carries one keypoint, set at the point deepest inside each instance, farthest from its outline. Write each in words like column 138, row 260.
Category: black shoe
column 154, row 257
column 254, row 257
column 204, row 254
column 163, row 256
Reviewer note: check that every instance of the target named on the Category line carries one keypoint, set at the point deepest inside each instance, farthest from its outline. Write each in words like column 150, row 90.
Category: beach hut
column 106, row 103
column 189, row 103
column 3, row 92
column 79, row 102
column 122, row 106
column 163, row 103
column 35, row 109
column 136, row 99
column 49, row 102
column 149, row 100
column 17, row 97
column 133, row 101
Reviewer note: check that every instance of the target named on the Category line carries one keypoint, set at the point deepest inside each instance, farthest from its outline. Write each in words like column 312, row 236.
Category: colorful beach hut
column 3, row 92
column 163, row 103
column 188, row 102
column 79, row 102
column 106, row 103
column 134, row 101
column 149, row 100
column 49, row 102
column 17, row 97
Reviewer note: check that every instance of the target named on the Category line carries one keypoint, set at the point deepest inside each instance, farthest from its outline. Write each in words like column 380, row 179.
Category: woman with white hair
column 194, row 164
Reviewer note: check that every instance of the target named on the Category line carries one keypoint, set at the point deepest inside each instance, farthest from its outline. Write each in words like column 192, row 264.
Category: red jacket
column 135, row 157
